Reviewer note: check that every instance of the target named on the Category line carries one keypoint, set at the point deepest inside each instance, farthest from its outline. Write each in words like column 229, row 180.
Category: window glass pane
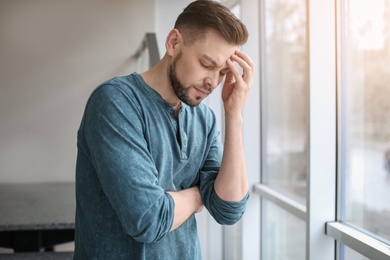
column 286, row 96
column 283, row 235
column 350, row 254
column 365, row 82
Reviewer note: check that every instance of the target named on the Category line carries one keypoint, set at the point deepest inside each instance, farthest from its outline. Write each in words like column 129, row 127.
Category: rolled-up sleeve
column 112, row 137
column 224, row 212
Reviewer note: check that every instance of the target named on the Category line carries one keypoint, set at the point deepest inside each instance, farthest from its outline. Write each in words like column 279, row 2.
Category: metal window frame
column 321, row 195
column 359, row 241
column 282, row 200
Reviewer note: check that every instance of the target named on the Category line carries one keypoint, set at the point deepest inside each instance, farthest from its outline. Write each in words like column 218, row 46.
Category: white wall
column 166, row 13
column 52, row 55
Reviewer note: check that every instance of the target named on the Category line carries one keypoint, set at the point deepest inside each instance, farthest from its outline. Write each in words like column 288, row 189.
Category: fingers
column 234, row 74
column 243, row 59
column 245, row 62
column 230, row 74
column 238, row 83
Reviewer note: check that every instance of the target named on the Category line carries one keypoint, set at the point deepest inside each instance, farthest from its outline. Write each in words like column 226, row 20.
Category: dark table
column 36, row 216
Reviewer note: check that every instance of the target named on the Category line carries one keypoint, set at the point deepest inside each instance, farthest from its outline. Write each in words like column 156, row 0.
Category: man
column 150, row 154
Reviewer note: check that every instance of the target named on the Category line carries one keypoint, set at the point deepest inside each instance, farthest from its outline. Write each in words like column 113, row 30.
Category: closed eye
column 209, row 67
column 212, row 67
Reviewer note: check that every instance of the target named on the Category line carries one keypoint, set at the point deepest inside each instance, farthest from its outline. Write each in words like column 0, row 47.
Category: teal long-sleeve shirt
column 131, row 151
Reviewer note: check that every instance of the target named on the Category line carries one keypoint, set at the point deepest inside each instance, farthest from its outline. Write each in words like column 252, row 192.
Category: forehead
column 213, row 48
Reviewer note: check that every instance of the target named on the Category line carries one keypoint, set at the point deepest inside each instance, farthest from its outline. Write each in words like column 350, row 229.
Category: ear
column 173, row 41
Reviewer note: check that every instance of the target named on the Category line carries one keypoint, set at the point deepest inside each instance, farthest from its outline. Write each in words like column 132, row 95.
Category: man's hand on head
column 237, row 84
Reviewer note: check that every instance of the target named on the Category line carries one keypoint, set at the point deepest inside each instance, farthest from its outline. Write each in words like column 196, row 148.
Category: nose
column 212, row 81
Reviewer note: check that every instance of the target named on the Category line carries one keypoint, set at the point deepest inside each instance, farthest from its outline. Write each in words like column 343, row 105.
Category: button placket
column 183, row 136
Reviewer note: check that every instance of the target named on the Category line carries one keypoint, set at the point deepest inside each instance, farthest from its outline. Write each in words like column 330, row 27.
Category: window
column 365, row 117
column 285, row 233
column 325, row 131
column 286, row 92
column 366, row 108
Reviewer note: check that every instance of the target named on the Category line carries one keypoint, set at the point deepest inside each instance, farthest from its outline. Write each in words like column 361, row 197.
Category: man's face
column 198, row 69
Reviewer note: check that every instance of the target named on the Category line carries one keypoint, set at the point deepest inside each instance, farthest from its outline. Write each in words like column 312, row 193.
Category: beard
column 181, row 91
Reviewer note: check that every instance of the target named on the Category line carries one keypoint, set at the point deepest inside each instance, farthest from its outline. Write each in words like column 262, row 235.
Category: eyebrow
column 212, row 61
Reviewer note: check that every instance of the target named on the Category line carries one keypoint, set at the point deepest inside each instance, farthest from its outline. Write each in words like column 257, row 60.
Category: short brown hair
column 201, row 15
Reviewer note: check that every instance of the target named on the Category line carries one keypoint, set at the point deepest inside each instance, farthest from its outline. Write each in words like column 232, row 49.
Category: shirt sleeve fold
column 224, row 212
